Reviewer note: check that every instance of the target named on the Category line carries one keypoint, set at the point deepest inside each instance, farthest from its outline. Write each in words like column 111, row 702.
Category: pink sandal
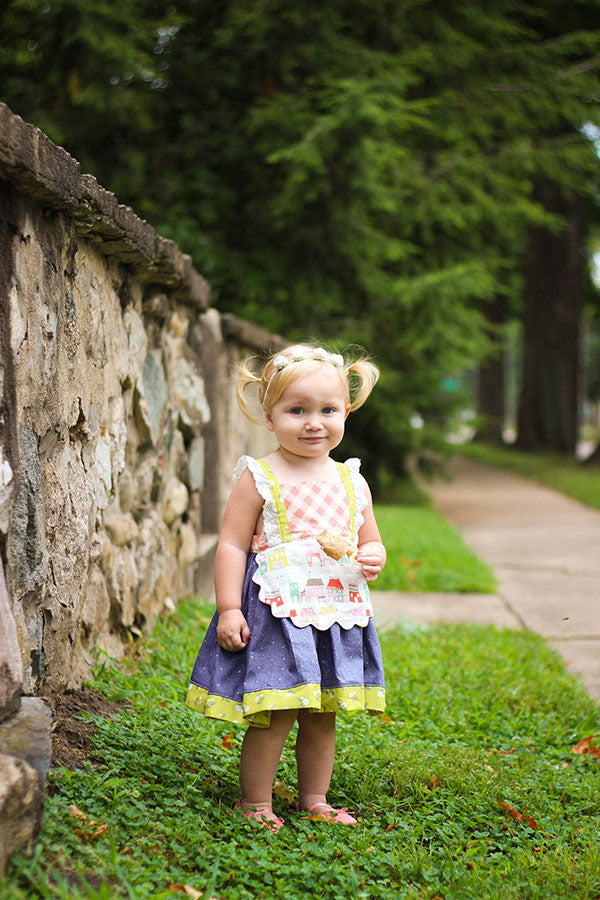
column 328, row 814
column 266, row 817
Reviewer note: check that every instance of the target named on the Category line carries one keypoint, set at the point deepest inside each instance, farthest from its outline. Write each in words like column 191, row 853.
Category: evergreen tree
column 555, row 271
column 359, row 170
column 87, row 74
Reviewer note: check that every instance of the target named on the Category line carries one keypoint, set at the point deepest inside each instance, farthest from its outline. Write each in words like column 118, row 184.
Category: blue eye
column 327, row 410
column 296, row 411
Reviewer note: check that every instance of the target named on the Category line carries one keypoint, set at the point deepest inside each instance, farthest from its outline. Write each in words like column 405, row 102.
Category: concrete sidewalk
column 545, row 551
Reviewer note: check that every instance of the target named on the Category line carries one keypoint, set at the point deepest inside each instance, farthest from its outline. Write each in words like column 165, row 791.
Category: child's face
column 308, row 419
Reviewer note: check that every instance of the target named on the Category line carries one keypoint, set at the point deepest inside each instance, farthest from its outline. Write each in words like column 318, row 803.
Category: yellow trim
column 343, row 470
column 256, row 707
column 282, row 519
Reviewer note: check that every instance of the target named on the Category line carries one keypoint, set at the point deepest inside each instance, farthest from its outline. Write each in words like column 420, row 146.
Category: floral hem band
column 255, row 708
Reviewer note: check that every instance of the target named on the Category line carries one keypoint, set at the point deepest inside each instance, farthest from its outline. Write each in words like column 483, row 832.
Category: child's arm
column 239, row 521
column 371, row 554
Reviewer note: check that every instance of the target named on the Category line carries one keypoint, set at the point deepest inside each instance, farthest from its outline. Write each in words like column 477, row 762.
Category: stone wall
column 118, row 424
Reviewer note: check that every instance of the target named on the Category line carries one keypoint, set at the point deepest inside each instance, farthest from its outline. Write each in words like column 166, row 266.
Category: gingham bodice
column 297, row 579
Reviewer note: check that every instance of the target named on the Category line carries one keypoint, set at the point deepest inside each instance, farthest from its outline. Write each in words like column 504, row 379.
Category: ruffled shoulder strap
column 261, row 482
column 353, row 467
column 260, row 479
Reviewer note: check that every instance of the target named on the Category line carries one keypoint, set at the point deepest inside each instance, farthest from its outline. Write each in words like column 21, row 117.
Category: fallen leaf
column 519, row 817
column 77, row 812
column 390, row 826
column 91, row 827
column 87, row 836
column 185, row 889
column 190, row 891
column 433, row 782
column 585, row 747
column 280, row 789
column 227, row 742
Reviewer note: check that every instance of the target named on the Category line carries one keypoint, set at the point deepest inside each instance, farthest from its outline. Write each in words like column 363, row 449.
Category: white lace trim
column 270, row 525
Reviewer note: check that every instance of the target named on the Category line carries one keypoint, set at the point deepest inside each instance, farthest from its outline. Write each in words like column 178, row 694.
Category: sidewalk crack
column 512, row 610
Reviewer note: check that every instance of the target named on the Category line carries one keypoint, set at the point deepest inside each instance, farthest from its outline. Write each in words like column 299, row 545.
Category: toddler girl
column 293, row 636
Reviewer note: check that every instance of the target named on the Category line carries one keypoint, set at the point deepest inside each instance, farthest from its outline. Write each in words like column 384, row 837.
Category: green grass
column 475, row 717
column 559, row 472
column 425, row 553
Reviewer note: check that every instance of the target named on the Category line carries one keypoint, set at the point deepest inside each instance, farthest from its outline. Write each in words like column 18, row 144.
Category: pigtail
column 362, row 377
column 246, row 377
column 359, row 376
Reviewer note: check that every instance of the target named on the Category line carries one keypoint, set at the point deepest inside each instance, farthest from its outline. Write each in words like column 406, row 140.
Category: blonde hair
column 285, row 366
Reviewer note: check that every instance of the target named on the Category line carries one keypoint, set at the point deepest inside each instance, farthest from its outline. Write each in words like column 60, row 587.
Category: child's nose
column 313, row 421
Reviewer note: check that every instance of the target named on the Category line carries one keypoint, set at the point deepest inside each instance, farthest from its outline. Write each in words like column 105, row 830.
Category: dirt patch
column 70, row 734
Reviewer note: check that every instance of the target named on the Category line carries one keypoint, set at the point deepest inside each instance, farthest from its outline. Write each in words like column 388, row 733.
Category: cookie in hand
column 335, row 546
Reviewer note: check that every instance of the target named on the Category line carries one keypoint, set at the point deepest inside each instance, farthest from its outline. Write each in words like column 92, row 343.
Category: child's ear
column 269, row 421
column 347, row 412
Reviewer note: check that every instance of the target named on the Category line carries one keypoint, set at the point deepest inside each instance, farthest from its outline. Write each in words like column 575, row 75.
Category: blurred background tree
column 395, row 173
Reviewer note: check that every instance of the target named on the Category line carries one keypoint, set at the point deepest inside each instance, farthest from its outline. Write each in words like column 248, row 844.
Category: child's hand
column 232, row 630
column 371, row 558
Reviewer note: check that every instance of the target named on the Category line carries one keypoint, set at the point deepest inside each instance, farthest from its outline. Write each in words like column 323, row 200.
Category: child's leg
column 261, row 752
column 315, row 752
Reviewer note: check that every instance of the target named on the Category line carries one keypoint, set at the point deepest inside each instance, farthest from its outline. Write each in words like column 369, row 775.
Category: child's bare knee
column 316, row 721
column 283, row 719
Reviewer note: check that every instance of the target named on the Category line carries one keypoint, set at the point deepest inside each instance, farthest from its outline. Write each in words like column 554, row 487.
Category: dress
column 313, row 643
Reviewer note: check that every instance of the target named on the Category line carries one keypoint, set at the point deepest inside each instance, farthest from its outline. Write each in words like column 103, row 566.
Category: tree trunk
column 548, row 417
column 490, row 385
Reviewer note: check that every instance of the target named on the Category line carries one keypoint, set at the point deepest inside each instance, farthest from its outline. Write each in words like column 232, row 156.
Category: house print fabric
column 299, row 581
column 295, row 576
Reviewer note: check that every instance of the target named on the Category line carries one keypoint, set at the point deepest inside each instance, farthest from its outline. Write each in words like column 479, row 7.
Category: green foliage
column 358, row 171
column 86, row 74
column 475, row 716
